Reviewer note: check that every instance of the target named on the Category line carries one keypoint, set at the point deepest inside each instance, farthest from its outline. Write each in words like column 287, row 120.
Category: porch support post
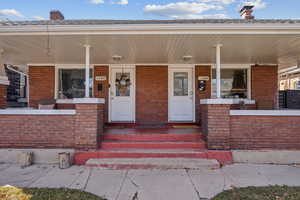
column 218, row 69
column 87, row 70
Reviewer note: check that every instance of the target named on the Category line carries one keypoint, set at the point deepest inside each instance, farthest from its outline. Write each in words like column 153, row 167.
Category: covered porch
column 154, row 78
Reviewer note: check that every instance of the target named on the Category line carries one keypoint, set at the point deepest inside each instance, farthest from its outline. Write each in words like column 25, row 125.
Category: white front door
column 122, row 94
column 181, row 94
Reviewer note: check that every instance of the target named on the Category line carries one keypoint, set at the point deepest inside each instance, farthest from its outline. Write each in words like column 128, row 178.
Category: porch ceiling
column 150, row 49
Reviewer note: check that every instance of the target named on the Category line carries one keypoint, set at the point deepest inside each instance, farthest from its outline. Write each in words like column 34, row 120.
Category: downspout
column 27, row 81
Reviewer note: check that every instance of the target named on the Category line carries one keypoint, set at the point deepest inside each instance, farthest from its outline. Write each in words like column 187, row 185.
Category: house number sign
column 203, row 78
column 100, row 78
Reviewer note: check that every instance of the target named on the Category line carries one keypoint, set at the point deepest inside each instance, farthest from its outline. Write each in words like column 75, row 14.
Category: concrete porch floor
column 150, row 184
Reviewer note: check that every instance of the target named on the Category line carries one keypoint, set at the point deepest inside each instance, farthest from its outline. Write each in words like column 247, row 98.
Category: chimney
column 246, row 12
column 56, row 15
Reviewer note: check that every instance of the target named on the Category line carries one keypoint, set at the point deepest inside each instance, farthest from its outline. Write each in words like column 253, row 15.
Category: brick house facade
column 151, row 74
column 263, row 91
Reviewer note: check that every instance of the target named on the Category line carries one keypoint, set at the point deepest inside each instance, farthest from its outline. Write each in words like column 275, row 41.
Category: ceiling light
column 116, row 57
column 187, row 57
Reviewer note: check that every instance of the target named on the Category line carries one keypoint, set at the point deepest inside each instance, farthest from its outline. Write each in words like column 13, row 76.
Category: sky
column 146, row 9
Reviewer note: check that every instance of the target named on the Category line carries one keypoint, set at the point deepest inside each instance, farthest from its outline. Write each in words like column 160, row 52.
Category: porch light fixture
column 116, row 57
column 187, row 58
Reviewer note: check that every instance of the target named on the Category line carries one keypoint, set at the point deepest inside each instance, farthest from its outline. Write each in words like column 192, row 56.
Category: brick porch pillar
column 89, row 122
column 216, row 121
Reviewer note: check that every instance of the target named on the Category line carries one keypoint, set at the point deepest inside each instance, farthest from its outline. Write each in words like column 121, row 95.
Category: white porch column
column 218, row 70
column 87, row 71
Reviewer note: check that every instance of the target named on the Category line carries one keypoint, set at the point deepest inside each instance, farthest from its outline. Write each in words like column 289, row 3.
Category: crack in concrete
column 88, row 178
column 122, row 184
column 194, row 186
column 76, row 178
column 135, row 196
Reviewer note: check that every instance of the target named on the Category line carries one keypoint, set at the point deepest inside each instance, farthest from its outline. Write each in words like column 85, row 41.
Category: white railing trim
column 64, row 101
column 265, row 112
column 89, row 101
column 36, row 112
column 226, row 101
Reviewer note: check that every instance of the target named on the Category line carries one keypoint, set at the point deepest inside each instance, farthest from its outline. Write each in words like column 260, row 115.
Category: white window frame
column 235, row 66
column 69, row 66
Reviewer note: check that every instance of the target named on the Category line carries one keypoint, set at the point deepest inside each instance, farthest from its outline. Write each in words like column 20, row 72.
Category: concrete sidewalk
column 150, row 184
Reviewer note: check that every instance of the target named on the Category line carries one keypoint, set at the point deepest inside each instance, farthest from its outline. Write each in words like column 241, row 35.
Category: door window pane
column 233, row 83
column 72, row 83
column 180, row 83
column 123, row 83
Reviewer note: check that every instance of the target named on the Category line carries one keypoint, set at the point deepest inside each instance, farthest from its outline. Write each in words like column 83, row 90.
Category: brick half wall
column 80, row 129
column 242, row 130
column 265, row 132
column 37, row 131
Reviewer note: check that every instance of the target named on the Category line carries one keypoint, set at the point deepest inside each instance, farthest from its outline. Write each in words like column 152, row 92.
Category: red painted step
column 152, row 145
column 153, row 137
column 224, row 157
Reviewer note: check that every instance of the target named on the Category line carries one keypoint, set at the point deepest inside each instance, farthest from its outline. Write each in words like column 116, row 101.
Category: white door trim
column 120, row 66
column 182, row 66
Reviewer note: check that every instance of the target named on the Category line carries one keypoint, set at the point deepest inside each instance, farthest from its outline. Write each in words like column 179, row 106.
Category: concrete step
column 224, row 157
column 153, row 137
column 154, row 163
column 105, row 145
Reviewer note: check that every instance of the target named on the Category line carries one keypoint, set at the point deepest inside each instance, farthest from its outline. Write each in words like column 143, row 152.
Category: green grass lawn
column 13, row 193
column 261, row 193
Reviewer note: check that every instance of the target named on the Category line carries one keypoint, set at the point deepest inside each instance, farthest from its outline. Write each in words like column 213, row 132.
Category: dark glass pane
column 233, row 83
column 180, row 84
column 72, row 83
column 123, row 84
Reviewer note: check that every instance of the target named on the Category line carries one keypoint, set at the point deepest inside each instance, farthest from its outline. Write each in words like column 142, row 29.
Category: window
column 72, row 83
column 180, row 84
column 122, row 84
column 234, row 83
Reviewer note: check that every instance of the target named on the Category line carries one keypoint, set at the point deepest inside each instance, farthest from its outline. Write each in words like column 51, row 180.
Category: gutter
column 153, row 28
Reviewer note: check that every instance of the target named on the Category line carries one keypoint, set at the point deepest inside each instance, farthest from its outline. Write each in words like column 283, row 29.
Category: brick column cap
column 89, row 101
column 226, row 101
column 4, row 80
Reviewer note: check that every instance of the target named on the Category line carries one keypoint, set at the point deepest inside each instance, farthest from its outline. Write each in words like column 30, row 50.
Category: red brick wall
column 265, row 132
column 264, row 86
column 37, row 131
column 63, row 106
column 81, row 131
column 102, row 71
column 3, row 94
column 201, row 71
column 41, row 84
column 216, row 125
column 88, row 125
column 151, row 94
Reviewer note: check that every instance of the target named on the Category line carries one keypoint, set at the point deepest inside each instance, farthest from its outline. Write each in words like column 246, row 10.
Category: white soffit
column 68, row 49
